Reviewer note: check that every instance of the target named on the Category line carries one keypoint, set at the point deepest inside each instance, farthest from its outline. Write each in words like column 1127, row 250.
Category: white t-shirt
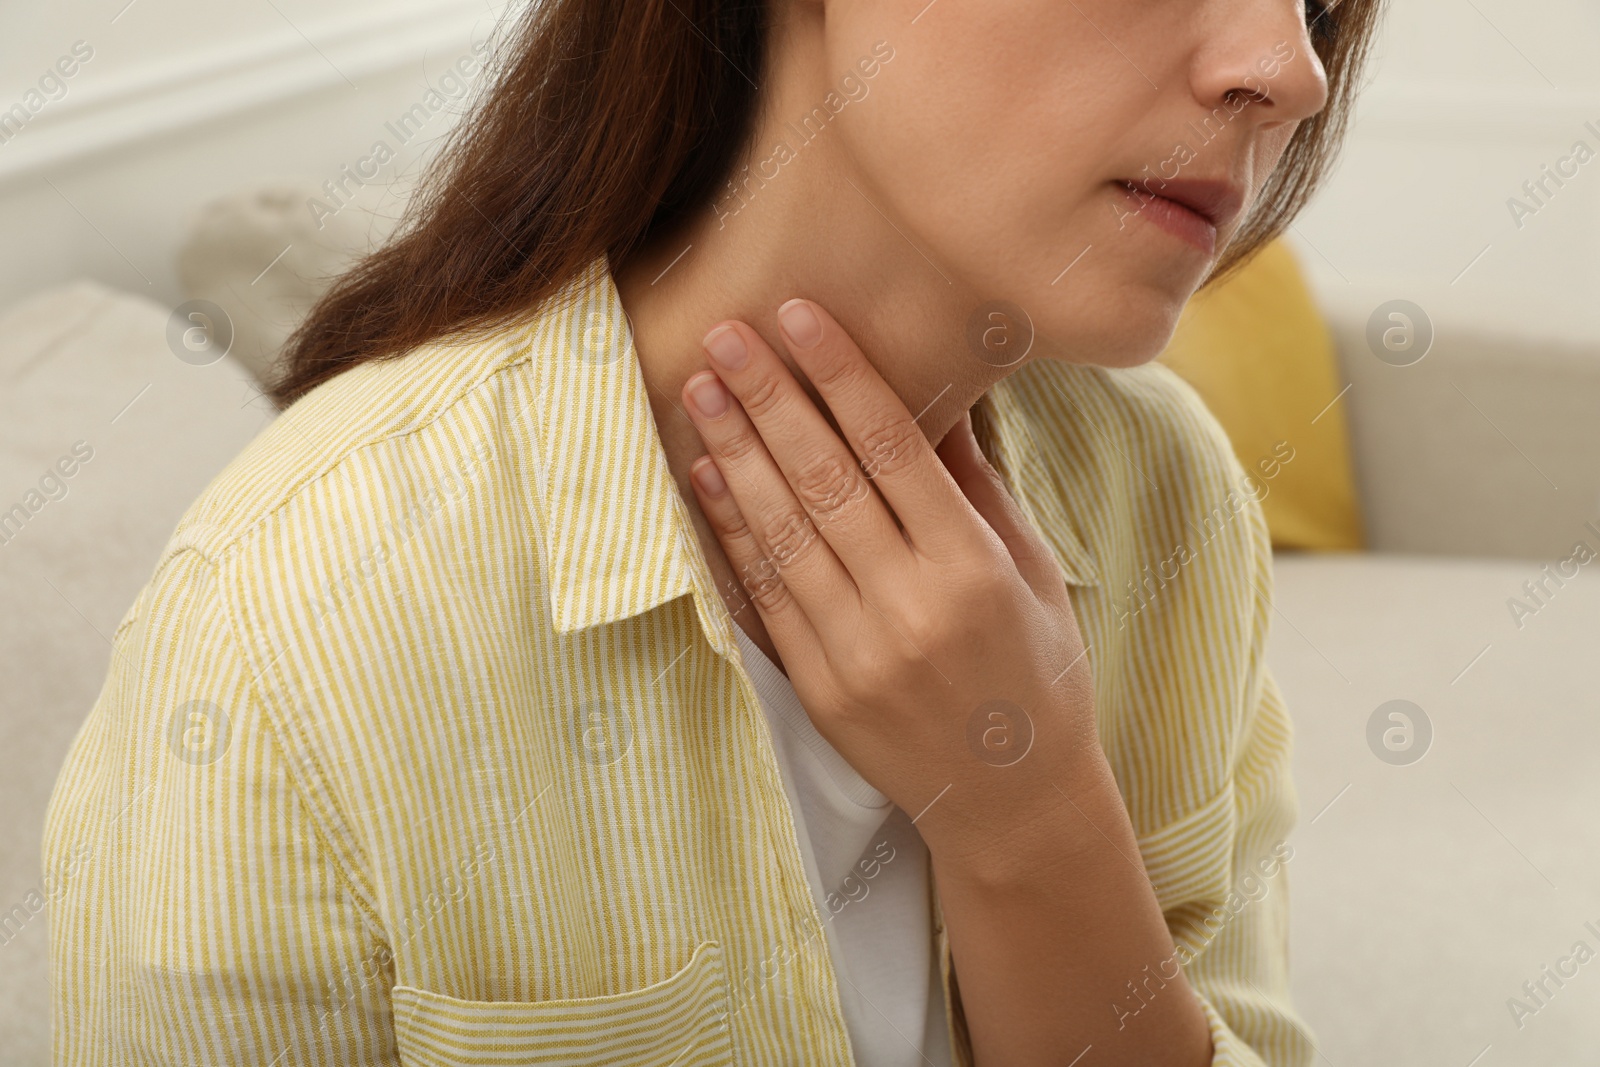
column 868, row 870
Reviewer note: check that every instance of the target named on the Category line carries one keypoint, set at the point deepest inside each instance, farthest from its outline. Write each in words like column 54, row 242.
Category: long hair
column 607, row 121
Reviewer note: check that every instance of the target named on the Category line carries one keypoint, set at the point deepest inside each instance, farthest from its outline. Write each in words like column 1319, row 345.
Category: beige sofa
column 1425, row 894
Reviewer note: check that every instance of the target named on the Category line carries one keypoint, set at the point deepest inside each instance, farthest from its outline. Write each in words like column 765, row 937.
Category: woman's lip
column 1178, row 219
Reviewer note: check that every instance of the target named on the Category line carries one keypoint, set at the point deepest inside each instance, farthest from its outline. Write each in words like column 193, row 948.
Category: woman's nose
column 1259, row 51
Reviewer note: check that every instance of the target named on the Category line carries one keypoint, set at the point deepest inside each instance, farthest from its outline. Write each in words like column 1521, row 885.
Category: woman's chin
column 1118, row 344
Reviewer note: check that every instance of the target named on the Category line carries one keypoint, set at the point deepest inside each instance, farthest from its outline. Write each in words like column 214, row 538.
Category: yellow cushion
column 1258, row 352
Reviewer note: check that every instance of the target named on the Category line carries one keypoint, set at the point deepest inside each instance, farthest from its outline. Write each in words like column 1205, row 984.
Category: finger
column 821, row 469
column 983, row 487
column 759, row 582
column 783, row 532
column 893, row 449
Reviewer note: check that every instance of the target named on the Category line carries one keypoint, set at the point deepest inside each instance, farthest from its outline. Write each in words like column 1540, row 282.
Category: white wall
column 1467, row 100
column 184, row 100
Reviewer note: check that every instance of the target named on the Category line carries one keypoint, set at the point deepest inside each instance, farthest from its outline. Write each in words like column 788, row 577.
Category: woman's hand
column 924, row 624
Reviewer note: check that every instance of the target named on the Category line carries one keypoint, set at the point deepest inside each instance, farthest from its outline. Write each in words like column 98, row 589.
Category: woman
column 472, row 717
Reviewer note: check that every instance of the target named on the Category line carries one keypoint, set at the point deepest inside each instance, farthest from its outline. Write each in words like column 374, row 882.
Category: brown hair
column 609, row 121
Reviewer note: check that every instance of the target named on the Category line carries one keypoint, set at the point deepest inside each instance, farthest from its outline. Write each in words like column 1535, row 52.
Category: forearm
column 1059, row 938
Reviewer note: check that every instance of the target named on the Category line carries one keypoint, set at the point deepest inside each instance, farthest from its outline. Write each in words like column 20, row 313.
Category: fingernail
column 708, row 394
column 800, row 323
column 726, row 347
column 709, row 478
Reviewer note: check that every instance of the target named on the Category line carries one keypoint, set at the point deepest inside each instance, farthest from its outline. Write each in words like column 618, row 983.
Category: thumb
column 986, row 491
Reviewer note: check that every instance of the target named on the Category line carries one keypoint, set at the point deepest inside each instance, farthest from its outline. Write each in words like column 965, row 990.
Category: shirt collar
column 1015, row 407
column 618, row 540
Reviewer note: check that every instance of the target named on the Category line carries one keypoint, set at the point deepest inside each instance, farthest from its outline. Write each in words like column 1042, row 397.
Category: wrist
column 1011, row 828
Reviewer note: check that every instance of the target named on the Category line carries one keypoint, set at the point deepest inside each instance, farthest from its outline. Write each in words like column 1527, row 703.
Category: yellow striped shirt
column 429, row 743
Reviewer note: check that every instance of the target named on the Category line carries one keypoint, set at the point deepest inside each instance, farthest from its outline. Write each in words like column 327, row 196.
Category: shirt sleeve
column 198, row 913
column 1233, row 944
column 1238, row 952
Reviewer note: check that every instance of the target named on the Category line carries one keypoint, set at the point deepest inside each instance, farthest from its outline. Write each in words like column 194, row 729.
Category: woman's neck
column 907, row 318
column 798, row 219
column 800, row 235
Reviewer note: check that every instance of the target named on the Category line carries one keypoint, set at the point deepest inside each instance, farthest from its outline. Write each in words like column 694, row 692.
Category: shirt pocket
column 680, row 1021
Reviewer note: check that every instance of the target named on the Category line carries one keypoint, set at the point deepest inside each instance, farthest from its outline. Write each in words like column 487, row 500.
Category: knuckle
column 764, row 396
column 879, row 674
column 886, row 670
column 836, row 708
column 829, row 484
column 734, row 527
column 765, row 586
column 741, row 446
column 787, row 536
column 833, row 371
column 927, row 634
column 890, row 447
